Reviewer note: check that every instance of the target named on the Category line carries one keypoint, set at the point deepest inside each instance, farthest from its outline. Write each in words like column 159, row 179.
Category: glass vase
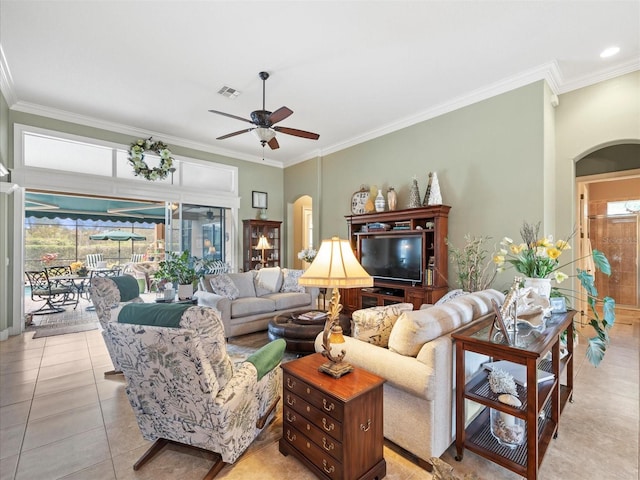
column 508, row 430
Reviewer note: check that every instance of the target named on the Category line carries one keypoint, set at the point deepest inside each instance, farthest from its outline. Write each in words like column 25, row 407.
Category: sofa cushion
column 244, row 282
column 373, row 325
column 290, row 280
column 243, row 306
column 223, row 285
column 268, row 280
column 414, row 329
column 285, row 300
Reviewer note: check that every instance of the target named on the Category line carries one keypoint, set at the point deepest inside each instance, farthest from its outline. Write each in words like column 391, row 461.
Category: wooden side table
column 333, row 426
column 542, row 402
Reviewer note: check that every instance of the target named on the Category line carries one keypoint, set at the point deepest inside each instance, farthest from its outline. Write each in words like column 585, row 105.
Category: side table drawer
column 324, row 422
column 315, row 397
column 329, row 465
column 324, row 441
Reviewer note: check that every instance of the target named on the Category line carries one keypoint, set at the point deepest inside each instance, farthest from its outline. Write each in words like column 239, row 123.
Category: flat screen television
column 397, row 257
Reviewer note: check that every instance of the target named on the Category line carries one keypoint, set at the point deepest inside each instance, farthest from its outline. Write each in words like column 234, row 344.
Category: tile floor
column 60, row 418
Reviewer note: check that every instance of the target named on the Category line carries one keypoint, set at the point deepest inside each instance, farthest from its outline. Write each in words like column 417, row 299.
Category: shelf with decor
column 405, row 252
column 539, row 407
column 252, row 230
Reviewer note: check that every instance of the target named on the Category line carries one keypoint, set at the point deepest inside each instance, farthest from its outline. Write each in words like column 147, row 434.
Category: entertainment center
column 406, row 254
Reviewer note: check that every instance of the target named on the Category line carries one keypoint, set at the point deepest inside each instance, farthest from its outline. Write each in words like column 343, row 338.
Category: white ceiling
column 350, row 71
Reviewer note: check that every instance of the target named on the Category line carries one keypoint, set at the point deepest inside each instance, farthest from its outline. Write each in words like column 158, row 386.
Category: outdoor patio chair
column 63, row 277
column 93, row 259
column 137, row 257
column 53, row 294
column 184, row 388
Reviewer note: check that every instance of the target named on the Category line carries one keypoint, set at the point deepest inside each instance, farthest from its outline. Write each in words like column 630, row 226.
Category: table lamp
column 262, row 244
column 335, row 266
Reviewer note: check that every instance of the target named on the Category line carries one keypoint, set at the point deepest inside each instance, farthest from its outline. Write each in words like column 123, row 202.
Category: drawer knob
column 328, row 428
column 290, row 401
column 328, row 447
column 329, row 407
column 290, row 418
column 308, row 390
column 290, row 383
column 290, row 437
column 330, row 469
column 367, row 427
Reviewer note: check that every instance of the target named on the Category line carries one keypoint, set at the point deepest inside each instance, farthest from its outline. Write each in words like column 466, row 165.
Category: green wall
column 489, row 157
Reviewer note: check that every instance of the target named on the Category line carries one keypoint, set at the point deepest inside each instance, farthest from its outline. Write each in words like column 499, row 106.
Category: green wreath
column 140, row 167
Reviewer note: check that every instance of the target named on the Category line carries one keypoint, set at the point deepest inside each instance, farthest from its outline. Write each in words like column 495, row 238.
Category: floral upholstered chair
column 108, row 296
column 183, row 386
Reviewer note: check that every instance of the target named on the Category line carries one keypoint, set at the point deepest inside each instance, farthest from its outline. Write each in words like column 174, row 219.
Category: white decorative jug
column 380, row 202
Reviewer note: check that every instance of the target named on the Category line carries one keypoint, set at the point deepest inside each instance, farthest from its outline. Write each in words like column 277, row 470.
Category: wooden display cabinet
column 252, row 256
column 431, row 224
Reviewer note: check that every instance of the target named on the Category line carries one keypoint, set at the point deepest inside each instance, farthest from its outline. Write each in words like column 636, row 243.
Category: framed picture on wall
column 259, row 199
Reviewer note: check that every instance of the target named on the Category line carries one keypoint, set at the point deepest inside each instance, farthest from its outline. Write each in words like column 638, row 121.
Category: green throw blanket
column 268, row 357
column 154, row 314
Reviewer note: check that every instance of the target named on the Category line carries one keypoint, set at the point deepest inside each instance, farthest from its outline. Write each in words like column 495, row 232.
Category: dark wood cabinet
column 430, row 224
column 252, row 231
column 542, row 401
column 333, row 425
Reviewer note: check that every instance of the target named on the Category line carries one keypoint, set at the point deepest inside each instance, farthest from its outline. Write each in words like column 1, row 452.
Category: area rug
column 72, row 321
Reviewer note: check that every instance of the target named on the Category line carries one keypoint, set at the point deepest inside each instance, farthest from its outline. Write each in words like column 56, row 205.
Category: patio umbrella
column 117, row 236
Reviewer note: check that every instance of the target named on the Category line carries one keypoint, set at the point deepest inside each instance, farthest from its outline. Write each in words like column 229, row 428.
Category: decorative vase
column 542, row 286
column 263, row 214
column 380, row 202
column 392, row 199
column 507, row 429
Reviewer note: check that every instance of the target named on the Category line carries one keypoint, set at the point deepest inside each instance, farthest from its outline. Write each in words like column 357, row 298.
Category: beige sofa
column 418, row 364
column 248, row 300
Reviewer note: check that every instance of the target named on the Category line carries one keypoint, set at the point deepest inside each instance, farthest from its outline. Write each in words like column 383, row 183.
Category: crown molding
column 550, row 72
column 65, row 116
column 6, row 82
column 601, row 76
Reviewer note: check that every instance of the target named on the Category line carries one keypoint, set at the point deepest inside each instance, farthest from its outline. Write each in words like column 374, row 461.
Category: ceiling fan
column 264, row 121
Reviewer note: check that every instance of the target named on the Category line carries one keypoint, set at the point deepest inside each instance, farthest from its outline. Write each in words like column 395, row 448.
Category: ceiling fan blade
column 234, row 133
column 231, row 116
column 297, row 133
column 273, row 143
column 279, row 115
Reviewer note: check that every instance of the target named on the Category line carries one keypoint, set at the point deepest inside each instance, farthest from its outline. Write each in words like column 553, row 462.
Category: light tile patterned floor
column 60, row 418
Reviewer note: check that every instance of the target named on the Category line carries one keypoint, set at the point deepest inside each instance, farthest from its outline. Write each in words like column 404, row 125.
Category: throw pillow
column 223, row 285
column 268, row 280
column 244, row 283
column 373, row 325
column 290, row 281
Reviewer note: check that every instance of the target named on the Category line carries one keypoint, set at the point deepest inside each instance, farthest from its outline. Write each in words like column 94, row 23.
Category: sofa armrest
column 314, row 292
column 219, row 302
column 405, row 373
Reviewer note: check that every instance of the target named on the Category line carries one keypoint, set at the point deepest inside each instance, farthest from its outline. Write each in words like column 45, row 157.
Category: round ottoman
column 301, row 336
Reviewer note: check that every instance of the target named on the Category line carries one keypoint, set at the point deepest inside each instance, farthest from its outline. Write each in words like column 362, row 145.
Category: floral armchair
column 183, row 386
column 108, row 295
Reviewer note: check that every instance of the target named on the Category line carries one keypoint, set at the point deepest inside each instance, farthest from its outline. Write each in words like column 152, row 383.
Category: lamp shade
column 263, row 243
column 335, row 266
column 263, row 134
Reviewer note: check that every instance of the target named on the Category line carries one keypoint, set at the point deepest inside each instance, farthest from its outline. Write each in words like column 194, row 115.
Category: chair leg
column 111, row 373
column 262, row 420
column 149, row 454
column 215, row 470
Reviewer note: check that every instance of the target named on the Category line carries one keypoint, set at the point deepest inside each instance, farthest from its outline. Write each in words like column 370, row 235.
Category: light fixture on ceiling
column 263, row 134
column 610, row 52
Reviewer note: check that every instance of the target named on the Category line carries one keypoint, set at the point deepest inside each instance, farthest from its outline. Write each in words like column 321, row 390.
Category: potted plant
column 539, row 259
column 473, row 271
column 179, row 270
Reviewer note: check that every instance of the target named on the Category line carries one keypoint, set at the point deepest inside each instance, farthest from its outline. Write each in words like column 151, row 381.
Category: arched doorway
column 302, row 228
column 609, row 188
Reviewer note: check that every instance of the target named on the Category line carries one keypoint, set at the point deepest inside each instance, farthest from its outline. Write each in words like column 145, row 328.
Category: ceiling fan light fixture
column 263, row 134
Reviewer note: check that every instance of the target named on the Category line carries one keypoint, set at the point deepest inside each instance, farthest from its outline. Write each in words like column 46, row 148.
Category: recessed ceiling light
column 609, row 52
